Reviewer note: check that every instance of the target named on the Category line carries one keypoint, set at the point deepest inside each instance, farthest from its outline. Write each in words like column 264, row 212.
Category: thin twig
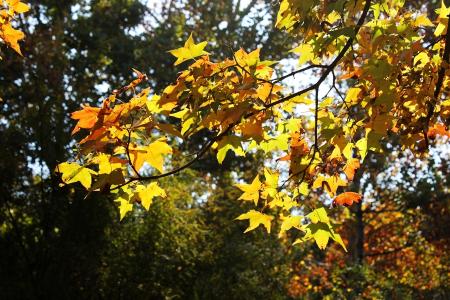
column 202, row 151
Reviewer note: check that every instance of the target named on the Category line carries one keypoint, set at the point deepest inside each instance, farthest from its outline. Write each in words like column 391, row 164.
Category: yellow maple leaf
column 73, row 172
column 352, row 95
column 232, row 143
column 333, row 17
column 245, row 59
column 11, row 36
column 271, row 178
column 443, row 12
column 251, row 191
column 17, row 6
column 266, row 91
column 307, row 54
column 147, row 193
column 336, row 154
column 189, row 51
column 422, row 20
column 290, row 222
column 361, row 145
column 320, row 230
column 321, row 233
column 348, row 151
column 107, row 164
column 256, row 218
column 271, row 183
column 319, row 215
column 330, row 184
column 153, row 154
column 124, row 207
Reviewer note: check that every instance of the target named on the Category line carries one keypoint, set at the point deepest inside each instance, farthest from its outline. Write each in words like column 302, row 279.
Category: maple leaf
column 319, row 215
column 330, row 184
column 227, row 143
column 247, row 59
column 87, row 117
column 352, row 95
column 109, row 171
column 251, row 191
column 443, row 12
column 271, row 178
column 11, row 36
column 290, row 222
column 271, row 183
column 438, row 129
column 350, row 168
column 347, row 198
column 320, row 230
column 153, row 154
column 107, row 164
column 336, row 154
column 73, row 172
column 252, row 128
column 321, row 233
column 256, row 218
column 361, row 145
column 189, row 51
column 147, row 193
column 124, row 207
column 17, row 6
column 306, row 53
column 299, row 148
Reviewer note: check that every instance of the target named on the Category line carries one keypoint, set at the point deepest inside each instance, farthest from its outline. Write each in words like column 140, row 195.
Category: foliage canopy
column 379, row 73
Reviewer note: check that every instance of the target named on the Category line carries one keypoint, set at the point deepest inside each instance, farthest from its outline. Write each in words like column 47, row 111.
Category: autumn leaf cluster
column 9, row 11
column 380, row 72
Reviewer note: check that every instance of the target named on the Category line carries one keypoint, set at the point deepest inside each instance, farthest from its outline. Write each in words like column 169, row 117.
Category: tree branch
column 129, row 156
column 276, row 80
column 315, row 86
column 335, row 62
column 199, row 155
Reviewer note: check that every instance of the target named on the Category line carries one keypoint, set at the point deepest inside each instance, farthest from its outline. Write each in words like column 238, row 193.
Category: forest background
column 54, row 243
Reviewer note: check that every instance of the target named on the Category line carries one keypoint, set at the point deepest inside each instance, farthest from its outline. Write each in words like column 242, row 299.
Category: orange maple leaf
column 438, row 129
column 347, row 198
column 11, row 37
column 87, row 117
column 351, row 74
column 350, row 168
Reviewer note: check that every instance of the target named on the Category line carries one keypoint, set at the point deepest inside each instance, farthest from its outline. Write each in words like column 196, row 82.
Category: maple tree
column 380, row 71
